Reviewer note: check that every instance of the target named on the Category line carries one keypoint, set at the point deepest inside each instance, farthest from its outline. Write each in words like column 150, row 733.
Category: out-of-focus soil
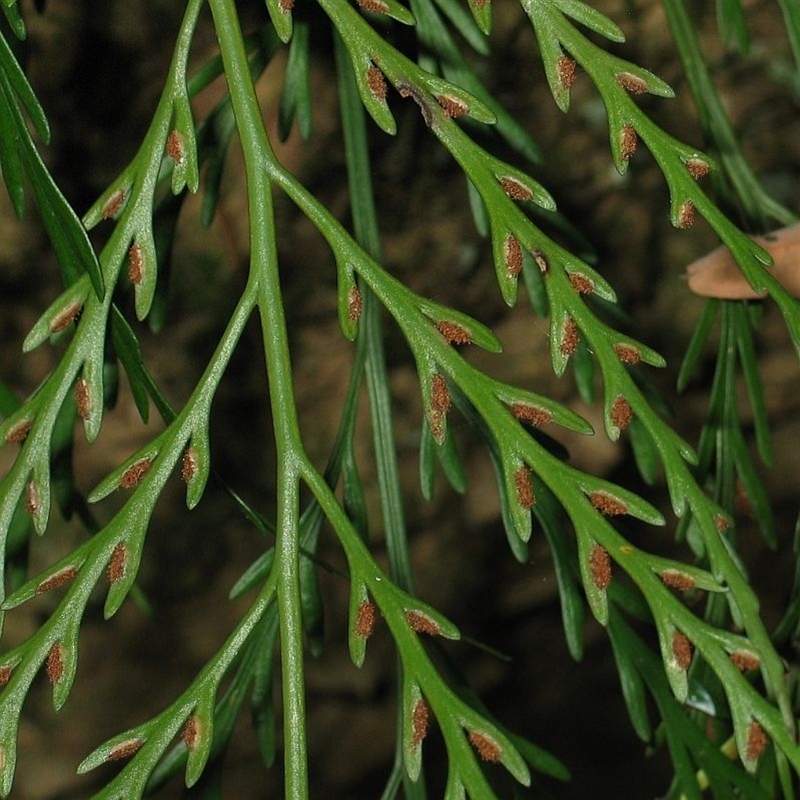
column 97, row 67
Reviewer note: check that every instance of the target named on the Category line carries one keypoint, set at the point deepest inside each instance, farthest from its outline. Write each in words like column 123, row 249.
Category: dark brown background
column 98, row 67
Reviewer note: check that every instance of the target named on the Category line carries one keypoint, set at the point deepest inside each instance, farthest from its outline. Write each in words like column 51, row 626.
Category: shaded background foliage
column 97, row 67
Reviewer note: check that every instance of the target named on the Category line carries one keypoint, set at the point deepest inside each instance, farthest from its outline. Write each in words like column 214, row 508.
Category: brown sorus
column 600, row 567
column 419, row 722
column 756, row 741
column 512, row 252
column 54, row 666
column 524, row 484
column 621, row 412
column 64, row 575
column 377, row 83
column 18, row 432
column 286, row 5
column 453, row 332
column 676, row 579
column 355, row 304
column 64, row 318
column 375, row 6
column 682, row 650
column 118, row 563
column 440, row 395
column 135, row 472
column 365, row 619
column 32, row 498
column 487, row 748
column 628, row 141
column 83, row 402
column 532, row 414
column 685, row 215
column 515, row 189
column 697, row 167
column 606, row 504
column 124, row 749
column 452, row 106
column 113, row 204
column 580, row 283
column 566, row 71
column 189, row 465
column 570, row 338
column 191, row 732
column 632, row 83
column 5, row 674
column 627, row 353
column 135, row 264
column 422, row 623
column 745, row 661
column 175, row 147
column 440, row 405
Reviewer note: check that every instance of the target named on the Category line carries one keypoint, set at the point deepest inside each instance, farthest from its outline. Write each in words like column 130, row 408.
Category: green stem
column 725, row 481
column 264, row 271
column 365, row 225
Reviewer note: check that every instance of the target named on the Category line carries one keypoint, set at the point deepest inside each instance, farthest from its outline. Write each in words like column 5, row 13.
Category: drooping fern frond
column 725, row 645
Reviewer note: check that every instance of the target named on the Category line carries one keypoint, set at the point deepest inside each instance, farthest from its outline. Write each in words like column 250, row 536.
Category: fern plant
column 699, row 669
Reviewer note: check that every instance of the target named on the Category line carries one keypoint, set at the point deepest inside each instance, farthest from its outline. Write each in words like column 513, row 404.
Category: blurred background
column 98, row 67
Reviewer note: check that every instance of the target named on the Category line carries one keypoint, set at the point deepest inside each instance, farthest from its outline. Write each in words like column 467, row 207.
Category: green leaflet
column 737, row 680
